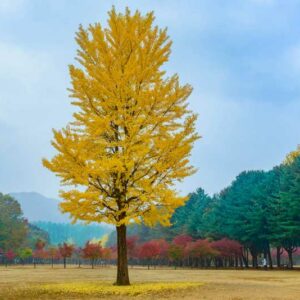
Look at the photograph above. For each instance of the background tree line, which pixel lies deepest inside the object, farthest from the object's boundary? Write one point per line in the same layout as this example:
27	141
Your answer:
260	210
257	215
78	234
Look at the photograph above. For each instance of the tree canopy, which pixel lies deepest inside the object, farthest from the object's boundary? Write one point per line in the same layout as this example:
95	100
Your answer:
13	227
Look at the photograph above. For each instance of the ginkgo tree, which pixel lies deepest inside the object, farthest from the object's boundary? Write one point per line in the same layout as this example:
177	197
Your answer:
132	134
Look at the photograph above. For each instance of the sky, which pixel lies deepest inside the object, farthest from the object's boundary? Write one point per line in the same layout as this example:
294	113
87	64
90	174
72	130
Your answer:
242	58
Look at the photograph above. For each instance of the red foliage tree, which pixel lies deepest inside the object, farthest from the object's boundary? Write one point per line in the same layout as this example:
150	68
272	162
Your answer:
66	250
10	255
114	252
227	248
132	247
200	251
92	251
149	250
163	248
106	254
182	240
230	251
202	248
53	254
39	252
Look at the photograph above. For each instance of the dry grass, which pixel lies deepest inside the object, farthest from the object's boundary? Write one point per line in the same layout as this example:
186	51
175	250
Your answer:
73	283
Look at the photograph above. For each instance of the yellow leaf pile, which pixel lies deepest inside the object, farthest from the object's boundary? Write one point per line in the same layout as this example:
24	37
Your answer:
106	288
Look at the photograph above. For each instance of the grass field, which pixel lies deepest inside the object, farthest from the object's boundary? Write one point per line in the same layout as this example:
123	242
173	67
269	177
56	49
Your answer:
84	283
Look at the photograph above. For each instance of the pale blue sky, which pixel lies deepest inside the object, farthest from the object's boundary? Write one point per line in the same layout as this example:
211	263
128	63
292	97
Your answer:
241	56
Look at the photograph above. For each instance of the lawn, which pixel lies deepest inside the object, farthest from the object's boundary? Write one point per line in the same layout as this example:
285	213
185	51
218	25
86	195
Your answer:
85	283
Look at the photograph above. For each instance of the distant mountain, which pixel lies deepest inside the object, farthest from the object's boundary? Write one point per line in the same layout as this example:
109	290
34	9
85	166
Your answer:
44	213
37	207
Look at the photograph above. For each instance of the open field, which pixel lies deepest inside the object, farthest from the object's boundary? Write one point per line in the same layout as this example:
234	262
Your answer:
84	283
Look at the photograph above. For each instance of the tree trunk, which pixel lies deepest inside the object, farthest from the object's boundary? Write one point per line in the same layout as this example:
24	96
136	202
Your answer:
245	258
65	262
290	254
254	254
241	262
269	256
254	260
122	272
278	256
236	261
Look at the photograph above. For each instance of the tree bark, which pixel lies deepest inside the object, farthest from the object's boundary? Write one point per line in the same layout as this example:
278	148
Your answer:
254	259
278	256
241	262
290	249
254	254
122	271
290	254
245	258
270	257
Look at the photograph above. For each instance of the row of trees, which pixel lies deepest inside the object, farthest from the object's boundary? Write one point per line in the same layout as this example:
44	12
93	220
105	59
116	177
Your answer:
260	210
56	254
264	210
183	251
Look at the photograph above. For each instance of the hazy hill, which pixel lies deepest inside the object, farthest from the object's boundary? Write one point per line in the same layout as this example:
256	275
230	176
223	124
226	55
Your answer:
44	213
37	207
